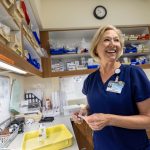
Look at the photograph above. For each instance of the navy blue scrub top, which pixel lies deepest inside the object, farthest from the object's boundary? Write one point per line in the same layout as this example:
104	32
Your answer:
136	89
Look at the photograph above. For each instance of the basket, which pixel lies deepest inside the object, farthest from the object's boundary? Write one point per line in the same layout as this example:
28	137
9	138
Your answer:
6	139
57	137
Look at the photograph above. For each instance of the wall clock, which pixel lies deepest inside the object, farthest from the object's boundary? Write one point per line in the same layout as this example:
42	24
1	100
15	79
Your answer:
100	12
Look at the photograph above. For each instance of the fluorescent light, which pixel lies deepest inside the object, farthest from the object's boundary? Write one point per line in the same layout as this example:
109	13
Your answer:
12	68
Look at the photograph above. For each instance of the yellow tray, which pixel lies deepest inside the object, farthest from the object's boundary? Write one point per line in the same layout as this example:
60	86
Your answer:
57	137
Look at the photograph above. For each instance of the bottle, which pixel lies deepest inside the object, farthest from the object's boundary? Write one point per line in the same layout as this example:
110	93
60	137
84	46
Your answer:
42	133
83	61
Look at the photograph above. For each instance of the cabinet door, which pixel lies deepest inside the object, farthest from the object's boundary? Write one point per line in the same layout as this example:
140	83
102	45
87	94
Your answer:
83	135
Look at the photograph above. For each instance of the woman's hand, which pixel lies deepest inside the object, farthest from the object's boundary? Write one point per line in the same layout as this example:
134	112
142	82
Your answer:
76	116
97	121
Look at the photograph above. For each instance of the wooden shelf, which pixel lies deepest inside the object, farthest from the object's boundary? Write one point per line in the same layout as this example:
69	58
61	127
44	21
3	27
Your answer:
69	55
12	17
82	72
136	41
18	61
145	66
135	54
87	54
77	34
71	73
29	47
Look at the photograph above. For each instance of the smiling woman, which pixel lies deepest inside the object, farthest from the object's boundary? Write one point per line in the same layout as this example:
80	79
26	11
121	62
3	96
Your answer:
118	97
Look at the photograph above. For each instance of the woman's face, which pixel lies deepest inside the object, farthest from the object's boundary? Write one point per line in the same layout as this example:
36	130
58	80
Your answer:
109	47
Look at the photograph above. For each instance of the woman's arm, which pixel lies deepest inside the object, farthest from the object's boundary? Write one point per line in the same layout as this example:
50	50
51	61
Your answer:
141	121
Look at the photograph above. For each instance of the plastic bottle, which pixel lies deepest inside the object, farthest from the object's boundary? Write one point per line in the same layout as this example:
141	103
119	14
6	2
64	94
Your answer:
42	133
83	61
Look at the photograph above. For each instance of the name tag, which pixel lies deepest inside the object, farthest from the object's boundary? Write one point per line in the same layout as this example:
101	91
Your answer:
115	87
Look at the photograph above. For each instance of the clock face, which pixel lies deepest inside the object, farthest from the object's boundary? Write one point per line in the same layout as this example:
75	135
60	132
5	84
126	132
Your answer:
100	12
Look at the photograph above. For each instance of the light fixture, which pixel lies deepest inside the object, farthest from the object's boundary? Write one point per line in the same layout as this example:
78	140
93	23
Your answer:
11	68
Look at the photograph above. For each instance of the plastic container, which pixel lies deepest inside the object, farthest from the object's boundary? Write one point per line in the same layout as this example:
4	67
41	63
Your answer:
57	137
92	66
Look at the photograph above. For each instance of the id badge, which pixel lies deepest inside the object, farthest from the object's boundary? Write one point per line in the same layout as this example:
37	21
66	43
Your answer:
115	87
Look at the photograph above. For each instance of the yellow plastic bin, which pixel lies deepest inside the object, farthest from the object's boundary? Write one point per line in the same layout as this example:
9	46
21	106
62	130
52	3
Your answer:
57	137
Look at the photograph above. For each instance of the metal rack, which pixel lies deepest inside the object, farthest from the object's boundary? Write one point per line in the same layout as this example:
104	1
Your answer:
6	139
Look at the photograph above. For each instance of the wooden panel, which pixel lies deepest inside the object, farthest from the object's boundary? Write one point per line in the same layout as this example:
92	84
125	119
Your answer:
46	67
44	37
145	66
83	135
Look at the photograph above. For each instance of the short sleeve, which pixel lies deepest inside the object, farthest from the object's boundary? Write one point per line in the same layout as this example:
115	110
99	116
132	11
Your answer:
140	84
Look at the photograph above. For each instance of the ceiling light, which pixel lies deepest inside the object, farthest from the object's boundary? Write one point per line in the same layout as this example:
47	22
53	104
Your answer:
11	68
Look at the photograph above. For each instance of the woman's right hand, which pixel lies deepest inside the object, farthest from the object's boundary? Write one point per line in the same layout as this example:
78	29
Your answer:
76	115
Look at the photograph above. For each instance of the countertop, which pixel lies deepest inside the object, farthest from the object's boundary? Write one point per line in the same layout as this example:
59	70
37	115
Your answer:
16	143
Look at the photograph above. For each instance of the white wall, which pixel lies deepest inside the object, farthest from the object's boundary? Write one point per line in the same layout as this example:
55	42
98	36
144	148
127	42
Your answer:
48	85
72	87
147	71
6	90
79	13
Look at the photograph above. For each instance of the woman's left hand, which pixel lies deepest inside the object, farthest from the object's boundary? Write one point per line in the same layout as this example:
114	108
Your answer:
97	121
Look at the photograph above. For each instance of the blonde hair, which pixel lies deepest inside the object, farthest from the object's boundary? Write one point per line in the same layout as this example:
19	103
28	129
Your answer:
98	36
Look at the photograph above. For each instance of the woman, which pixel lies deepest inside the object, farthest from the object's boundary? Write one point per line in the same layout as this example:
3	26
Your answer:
118	97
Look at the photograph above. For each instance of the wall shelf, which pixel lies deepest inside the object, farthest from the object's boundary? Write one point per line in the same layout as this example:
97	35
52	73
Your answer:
69	37
136	41
87	54
71	73
19	61
145	66
135	54
69	55
11	17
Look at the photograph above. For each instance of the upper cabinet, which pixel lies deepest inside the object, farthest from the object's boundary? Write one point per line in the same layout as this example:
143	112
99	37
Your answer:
19	44
69	50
